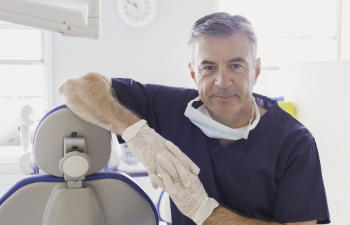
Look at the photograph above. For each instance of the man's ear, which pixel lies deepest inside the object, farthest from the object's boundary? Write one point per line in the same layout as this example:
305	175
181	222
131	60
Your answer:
193	74
257	69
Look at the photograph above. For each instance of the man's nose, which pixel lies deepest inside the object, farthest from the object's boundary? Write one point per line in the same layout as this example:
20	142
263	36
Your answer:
223	79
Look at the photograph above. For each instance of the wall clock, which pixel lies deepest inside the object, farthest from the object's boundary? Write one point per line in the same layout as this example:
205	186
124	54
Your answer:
137	13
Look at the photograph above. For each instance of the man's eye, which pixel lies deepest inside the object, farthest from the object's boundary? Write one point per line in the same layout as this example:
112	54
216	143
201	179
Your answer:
208	68
236	66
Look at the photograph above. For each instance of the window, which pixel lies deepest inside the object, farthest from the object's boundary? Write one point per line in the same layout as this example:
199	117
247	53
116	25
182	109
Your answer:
291	30
23	78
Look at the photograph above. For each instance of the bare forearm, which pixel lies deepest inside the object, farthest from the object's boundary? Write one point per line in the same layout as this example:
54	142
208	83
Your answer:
91	97
223	216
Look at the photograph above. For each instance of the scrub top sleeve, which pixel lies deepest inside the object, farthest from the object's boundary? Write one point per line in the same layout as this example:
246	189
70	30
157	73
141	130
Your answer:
301	194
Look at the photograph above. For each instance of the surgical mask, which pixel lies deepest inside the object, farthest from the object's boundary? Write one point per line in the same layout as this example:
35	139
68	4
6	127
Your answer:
202	119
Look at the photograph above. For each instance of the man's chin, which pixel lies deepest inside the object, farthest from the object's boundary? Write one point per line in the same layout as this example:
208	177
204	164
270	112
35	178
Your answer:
222	112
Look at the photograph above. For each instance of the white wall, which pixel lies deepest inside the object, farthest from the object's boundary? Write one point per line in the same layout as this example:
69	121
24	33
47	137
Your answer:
154	54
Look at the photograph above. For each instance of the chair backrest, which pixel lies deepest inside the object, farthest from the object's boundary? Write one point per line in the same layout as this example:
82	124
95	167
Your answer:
71	151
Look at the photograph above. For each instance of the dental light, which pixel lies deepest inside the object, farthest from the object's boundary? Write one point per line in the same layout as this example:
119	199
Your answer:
69	17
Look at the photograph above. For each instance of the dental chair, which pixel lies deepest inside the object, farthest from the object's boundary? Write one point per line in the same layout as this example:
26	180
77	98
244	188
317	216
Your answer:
74	191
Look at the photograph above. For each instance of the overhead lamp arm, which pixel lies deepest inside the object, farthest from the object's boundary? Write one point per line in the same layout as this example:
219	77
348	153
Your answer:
69	17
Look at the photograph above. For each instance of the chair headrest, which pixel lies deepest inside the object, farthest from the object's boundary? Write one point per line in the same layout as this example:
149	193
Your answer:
53	133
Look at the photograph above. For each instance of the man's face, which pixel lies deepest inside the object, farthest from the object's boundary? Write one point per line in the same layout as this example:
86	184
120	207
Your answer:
224	72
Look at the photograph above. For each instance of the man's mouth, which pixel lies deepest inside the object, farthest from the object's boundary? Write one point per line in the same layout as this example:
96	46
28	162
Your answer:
224	96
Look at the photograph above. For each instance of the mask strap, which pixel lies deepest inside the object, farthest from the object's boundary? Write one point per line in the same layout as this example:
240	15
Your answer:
257	114
253	112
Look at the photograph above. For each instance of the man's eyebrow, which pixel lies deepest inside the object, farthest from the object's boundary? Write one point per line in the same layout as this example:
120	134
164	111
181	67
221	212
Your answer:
206	62
238	59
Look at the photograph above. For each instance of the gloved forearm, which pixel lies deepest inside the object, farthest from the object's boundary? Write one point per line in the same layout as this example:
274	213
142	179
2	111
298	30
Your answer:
150	147
193	201
91	98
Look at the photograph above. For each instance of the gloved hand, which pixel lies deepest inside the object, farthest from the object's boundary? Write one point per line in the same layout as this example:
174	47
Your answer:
148	147
192	201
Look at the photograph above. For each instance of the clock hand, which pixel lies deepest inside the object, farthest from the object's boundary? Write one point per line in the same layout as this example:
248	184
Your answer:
132	3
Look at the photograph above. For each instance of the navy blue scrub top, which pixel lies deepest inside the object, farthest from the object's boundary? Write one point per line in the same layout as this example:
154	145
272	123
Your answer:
274	175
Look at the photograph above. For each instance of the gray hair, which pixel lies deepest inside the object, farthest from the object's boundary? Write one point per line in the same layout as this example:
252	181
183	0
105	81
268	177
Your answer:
222	24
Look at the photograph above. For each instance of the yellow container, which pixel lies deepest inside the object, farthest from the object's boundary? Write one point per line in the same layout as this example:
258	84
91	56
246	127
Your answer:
289	107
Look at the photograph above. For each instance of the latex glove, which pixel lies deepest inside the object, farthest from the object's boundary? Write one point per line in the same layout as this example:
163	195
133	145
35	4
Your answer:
148	146
192	201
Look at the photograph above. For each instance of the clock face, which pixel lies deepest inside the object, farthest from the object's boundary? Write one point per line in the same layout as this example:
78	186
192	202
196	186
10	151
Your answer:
137	13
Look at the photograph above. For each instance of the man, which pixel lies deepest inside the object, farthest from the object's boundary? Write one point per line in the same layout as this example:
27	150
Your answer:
258	165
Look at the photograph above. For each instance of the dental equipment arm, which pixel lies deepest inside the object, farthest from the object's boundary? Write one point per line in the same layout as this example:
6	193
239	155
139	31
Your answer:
91	98
69	17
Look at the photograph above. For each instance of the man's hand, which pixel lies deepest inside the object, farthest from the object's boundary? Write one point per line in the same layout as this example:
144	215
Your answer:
192	201
150	148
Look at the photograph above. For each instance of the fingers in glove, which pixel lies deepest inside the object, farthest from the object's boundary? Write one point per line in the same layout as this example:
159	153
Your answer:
169	164
151	173
169	185
174	168
156	181
182	157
